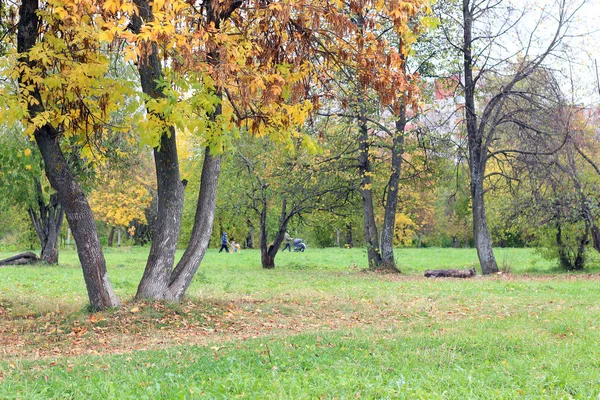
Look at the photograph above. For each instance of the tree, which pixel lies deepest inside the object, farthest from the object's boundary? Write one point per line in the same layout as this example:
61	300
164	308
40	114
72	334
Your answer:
293	182
487	64
375	89
40	111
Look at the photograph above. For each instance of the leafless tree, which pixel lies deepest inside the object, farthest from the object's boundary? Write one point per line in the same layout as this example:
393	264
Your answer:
501	44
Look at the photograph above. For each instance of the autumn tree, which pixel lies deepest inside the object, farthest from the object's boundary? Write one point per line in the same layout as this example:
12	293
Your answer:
229	66
63	93
370	82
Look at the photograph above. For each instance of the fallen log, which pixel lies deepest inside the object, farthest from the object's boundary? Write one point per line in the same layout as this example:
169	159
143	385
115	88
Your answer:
20	259
450	273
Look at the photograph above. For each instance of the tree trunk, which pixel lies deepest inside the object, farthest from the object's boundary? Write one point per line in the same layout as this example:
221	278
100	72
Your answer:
596	237
483	241
20	259
70	195
477	152
268	253
266	261
202	230
47	222
563	258
250	236
111	236
391	201
364	167
157	274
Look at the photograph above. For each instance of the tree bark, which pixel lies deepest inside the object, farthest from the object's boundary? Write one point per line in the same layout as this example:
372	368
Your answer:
203	224
391	202
477	152
364	167
157	274
70	195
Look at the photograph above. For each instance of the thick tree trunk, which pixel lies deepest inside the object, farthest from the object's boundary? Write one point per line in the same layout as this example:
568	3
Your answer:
80	218
70	195
47	222
202	230
477	152
157	275
364	167
391	202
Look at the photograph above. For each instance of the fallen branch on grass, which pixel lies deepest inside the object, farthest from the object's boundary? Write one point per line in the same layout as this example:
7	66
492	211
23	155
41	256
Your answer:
450	273
20	259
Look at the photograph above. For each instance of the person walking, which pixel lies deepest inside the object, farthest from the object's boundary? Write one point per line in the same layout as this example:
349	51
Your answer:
224	243
288	242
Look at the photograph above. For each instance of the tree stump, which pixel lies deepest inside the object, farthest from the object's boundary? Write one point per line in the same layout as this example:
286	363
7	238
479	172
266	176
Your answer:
20	259
450	273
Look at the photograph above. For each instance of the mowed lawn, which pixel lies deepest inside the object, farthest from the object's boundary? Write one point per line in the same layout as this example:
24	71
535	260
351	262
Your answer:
318	326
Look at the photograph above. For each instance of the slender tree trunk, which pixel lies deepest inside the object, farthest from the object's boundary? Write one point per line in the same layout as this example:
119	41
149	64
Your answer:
483	241
70	195
267	261
391	202
250	237
202	230
563	258
477	153
364	167
157	275
348	238
68	236
111	236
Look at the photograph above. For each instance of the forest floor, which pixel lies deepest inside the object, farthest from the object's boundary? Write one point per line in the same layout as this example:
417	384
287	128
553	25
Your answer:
519	333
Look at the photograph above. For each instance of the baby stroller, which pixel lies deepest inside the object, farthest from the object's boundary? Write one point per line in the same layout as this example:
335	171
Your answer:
298	245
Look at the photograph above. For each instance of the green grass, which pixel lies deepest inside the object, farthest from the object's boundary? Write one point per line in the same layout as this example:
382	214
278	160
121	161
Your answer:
350	334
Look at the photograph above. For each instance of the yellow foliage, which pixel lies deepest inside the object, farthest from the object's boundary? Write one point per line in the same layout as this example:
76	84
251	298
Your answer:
119	200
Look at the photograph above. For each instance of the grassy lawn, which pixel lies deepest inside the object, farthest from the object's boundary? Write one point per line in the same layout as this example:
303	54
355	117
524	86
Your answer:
317	326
